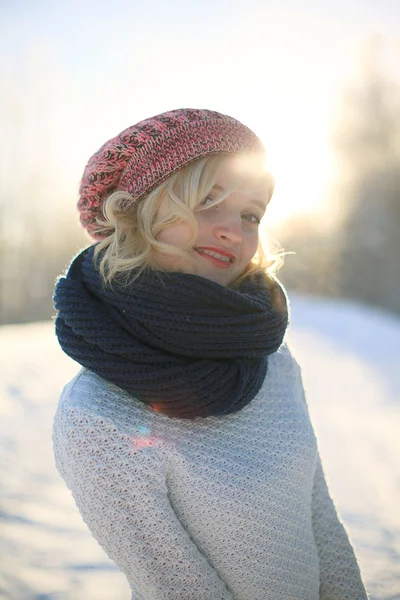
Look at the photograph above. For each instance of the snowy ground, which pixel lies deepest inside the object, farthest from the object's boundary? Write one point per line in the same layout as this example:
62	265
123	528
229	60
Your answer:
351	368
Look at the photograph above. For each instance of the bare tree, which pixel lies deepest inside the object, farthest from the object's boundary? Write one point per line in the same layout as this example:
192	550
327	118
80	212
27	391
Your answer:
367	142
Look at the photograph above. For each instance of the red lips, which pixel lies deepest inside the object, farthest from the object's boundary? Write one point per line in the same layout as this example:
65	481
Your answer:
219	251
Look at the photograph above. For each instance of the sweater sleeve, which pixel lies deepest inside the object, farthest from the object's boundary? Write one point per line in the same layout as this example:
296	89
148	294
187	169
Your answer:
340	577
119	485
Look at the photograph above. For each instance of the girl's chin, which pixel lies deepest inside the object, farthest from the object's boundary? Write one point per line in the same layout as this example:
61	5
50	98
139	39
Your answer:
222	276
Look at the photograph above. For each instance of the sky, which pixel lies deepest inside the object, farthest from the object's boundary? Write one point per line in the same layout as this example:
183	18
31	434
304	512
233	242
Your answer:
74	74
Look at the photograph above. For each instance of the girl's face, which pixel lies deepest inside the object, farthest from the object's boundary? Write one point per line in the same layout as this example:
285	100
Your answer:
228	233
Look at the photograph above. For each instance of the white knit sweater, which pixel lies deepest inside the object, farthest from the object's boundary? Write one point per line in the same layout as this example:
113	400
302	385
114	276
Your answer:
218	508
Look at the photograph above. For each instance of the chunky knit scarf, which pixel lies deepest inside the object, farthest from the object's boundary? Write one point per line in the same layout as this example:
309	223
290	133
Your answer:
184	345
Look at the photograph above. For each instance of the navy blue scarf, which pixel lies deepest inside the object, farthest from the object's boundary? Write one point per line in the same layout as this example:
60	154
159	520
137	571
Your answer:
184	345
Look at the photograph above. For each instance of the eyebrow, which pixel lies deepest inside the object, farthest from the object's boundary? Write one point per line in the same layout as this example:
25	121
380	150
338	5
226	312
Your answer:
253	200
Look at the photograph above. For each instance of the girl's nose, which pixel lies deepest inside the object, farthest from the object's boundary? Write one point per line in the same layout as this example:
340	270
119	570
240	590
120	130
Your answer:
229	230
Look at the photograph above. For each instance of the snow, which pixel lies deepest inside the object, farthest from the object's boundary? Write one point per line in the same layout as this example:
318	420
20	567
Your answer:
351	370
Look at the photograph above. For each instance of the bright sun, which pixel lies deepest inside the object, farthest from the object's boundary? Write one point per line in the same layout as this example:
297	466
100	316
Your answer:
301	179
301	170
297	140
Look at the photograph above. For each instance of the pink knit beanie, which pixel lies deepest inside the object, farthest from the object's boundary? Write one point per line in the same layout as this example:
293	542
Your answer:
142	156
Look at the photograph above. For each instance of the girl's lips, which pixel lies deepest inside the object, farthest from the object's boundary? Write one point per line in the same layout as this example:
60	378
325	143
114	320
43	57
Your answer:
215	261
219	250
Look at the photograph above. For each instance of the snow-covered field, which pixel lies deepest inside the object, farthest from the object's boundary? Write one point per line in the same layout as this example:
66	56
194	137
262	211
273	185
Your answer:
351	367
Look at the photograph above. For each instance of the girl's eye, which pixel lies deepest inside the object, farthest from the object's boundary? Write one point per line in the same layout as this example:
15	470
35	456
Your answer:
206	201
251	218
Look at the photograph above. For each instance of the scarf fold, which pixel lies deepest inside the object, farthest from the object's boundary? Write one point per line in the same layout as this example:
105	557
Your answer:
182	344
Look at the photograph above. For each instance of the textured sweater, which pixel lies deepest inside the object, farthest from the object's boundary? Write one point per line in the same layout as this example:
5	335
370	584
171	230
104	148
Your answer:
217	508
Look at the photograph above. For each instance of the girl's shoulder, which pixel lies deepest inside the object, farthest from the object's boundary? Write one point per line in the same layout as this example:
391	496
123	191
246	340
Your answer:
284	372
284	358
98	431
90	396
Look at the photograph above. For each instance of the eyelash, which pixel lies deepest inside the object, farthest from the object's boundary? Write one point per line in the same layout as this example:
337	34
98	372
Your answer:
257	220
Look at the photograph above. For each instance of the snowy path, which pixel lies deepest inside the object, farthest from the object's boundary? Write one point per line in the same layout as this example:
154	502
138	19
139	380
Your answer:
351	367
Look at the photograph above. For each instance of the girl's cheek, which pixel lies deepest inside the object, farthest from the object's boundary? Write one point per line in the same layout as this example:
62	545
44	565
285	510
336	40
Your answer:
205	217
253	245
204	224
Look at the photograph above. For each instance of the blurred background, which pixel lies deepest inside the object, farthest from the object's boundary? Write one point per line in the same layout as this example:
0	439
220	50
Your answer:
319	82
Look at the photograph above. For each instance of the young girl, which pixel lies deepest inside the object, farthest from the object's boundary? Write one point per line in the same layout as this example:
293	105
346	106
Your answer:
185	438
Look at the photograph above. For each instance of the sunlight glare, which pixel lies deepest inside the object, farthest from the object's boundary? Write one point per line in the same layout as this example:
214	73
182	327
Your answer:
301	166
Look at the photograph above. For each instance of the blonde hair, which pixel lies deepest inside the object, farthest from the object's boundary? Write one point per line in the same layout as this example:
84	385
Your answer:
130	236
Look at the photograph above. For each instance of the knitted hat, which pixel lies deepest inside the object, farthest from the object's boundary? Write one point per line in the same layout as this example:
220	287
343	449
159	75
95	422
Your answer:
142	156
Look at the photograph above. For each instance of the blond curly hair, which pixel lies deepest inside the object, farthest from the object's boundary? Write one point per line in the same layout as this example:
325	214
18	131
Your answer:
130	236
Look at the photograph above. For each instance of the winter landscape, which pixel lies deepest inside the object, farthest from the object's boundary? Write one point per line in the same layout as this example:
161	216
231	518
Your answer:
350	359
